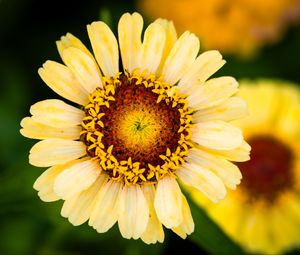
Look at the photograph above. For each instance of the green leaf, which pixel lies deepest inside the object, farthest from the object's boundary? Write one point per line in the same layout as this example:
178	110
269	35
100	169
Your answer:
209	236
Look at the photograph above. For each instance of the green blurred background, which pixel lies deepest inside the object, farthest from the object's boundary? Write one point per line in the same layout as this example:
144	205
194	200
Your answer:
28	31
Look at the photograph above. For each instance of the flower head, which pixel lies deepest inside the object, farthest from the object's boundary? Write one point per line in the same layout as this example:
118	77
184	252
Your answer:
263	214
117	154
236	27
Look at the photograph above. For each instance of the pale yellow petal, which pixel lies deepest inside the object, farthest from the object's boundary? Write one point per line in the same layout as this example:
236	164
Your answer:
105	47
79	207
154	231
217	135
76	178
263	113
44	184
232	109
290	212
246	233
285	230
133	212
263	238
288	110
129	33
239	154
203	180
68	41
106	208
168	202
55	151
56	113
62	81
204	66
293	208
84	68
187	226
48	195
36	130
213	92
227	171
152	48
181	57
171	37
257	234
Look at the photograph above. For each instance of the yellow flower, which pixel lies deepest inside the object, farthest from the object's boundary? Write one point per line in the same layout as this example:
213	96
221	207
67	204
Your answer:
263	213
234	27
116	156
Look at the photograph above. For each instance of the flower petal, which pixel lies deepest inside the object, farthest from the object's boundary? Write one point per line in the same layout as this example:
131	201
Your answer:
154	231
105	210
56	113
62	81
261	237
168	202
285	230
55	151
255	236
217	135
84	68
213	92
232	109
203	180
171	37
262	112
292	207
187	226
133	212
239	154
44	183
36	130
76	178
152	47
181	57
228	172
78	208
129	32
204	66
105	47
68	41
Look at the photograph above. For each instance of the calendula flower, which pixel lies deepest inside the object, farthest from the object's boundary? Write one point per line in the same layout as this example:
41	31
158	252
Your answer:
116	155
262	215
234	27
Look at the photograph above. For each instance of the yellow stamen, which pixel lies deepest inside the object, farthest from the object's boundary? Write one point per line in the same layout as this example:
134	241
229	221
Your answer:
139	128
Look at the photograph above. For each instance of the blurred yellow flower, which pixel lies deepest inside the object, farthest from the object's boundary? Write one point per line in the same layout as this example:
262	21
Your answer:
233	27
116	156
263	214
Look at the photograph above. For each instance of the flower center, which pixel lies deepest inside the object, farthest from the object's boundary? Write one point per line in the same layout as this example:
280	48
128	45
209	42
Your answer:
136	129
269	171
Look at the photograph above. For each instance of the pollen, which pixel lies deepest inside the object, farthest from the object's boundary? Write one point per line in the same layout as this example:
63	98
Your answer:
138	129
